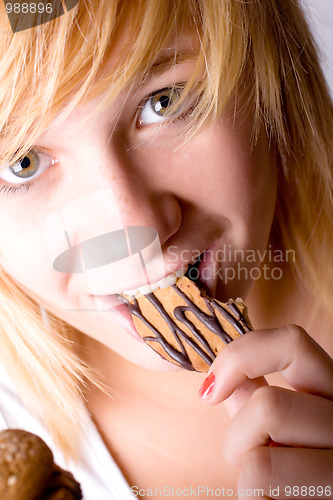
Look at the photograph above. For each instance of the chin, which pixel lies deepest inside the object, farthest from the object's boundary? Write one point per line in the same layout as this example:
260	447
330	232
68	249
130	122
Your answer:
150	360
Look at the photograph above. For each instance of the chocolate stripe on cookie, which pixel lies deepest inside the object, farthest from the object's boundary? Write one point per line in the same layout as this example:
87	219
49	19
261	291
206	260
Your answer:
180	358
211	322
201	336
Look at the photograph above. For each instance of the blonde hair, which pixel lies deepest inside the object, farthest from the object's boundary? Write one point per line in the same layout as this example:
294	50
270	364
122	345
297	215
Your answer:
263	46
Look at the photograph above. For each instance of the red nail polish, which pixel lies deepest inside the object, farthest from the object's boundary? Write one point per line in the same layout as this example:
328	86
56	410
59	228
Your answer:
208	386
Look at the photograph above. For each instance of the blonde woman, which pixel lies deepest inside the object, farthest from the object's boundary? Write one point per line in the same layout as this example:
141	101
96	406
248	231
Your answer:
210	122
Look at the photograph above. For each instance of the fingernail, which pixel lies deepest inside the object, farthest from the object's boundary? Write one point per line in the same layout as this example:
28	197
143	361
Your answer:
207	387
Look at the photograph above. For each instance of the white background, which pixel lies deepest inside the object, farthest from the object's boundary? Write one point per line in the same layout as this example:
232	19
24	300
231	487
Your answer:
321	18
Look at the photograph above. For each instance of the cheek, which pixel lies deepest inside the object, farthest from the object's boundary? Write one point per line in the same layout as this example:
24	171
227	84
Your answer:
227	176
24	253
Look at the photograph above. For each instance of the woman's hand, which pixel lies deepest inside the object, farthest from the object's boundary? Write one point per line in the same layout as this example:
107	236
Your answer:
282	440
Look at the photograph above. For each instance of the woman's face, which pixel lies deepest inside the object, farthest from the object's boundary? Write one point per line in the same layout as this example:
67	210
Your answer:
130	166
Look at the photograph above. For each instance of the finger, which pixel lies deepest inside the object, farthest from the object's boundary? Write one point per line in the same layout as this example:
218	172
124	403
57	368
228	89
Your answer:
289	350
238	398
284	416
286	473
242	394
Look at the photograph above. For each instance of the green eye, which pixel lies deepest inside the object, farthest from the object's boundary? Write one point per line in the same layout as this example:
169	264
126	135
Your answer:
157	105
164	99
27	166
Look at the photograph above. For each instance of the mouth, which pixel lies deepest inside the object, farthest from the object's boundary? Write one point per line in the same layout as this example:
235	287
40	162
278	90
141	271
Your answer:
163	283
200	272
113	303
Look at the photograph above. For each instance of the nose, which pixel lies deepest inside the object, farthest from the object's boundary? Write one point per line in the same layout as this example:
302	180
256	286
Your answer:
115	233
139	191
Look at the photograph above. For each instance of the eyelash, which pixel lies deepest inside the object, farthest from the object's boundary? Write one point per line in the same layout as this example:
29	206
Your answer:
12	190
169	120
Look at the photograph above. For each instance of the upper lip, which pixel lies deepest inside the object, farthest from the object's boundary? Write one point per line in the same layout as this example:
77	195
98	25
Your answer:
170	268
135	288
195	252
172	272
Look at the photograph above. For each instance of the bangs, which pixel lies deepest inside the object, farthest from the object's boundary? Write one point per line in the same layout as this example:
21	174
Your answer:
255	52
53	67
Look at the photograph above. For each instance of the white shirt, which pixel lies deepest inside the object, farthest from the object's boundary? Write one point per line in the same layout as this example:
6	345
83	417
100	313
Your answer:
95	469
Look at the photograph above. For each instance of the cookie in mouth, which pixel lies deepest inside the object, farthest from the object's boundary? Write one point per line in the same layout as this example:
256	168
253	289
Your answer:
184	325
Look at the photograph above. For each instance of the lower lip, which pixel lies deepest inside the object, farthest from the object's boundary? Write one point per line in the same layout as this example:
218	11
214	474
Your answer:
120	312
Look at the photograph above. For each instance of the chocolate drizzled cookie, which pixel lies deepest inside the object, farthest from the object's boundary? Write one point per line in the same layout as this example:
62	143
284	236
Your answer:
185	326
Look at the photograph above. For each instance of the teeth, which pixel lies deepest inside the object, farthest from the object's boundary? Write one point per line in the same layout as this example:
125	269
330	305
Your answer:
132	292
168	281
163	283
148	288
182	271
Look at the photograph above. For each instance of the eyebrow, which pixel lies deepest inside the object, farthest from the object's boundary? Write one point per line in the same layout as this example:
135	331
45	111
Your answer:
166	62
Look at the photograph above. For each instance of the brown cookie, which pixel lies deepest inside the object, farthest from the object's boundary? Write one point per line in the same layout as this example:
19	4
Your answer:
26	465
62	486
185	326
